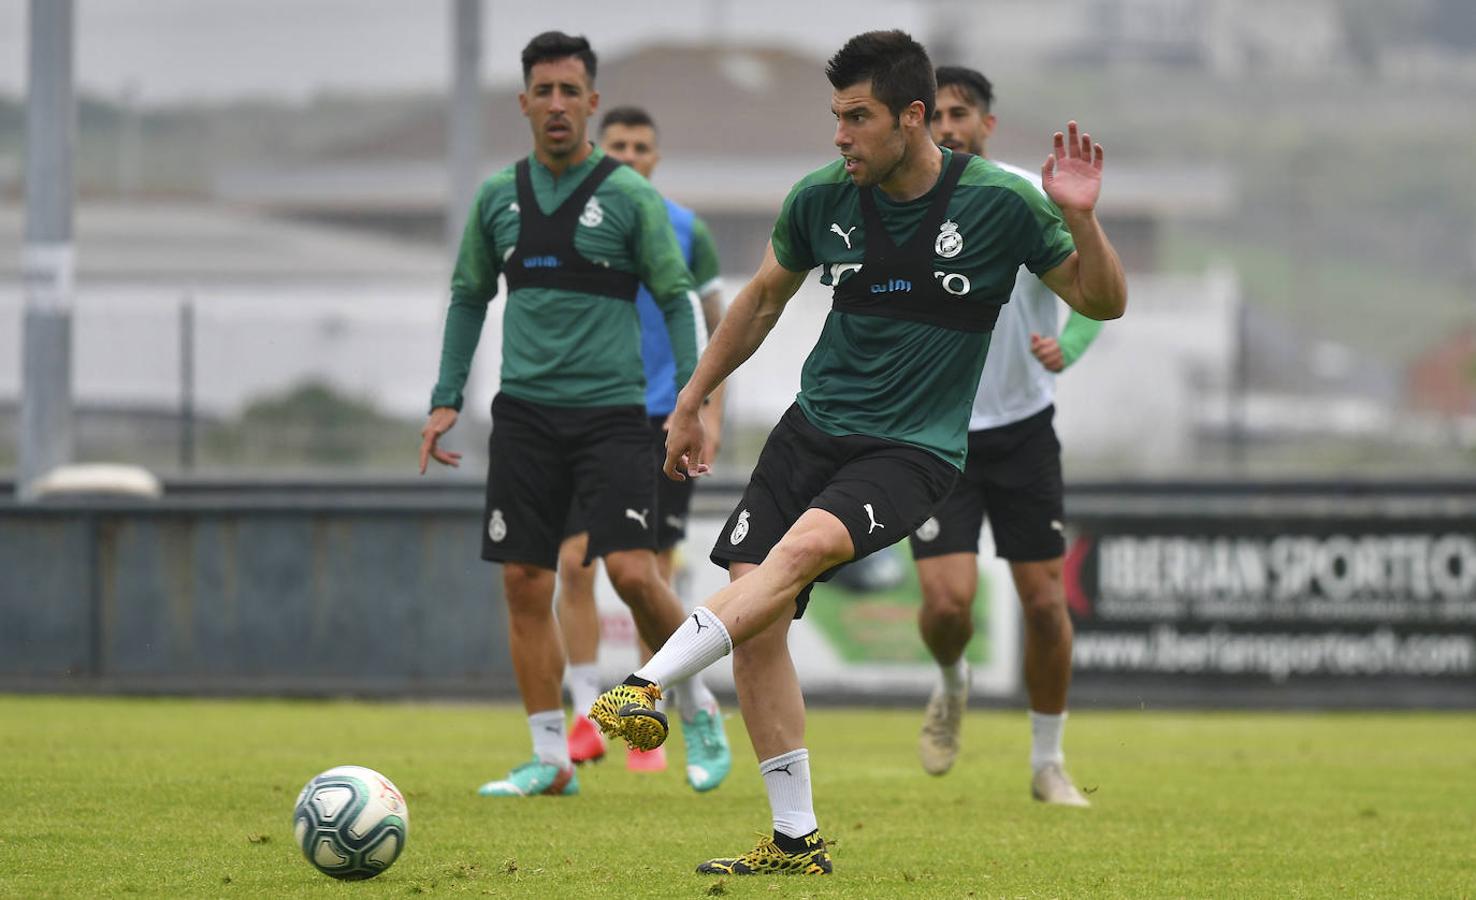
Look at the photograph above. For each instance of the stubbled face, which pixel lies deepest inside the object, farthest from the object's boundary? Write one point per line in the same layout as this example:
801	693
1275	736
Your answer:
634	145
958	124
558	101
869	137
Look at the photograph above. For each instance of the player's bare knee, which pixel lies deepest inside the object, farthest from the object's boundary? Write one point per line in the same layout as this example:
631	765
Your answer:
632	577
945	601
1045	611
520	576
528	588
948	609
805	555
571	559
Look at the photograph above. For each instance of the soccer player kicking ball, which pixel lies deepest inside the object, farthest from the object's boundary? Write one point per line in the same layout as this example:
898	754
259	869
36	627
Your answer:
1014	472
576	234
628	134
921	245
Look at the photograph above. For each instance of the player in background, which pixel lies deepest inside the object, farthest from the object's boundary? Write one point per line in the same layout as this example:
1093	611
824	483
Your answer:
1013	473
576	234
921	245
629	134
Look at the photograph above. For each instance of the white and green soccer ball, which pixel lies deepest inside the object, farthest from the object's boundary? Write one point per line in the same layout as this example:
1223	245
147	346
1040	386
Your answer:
351	822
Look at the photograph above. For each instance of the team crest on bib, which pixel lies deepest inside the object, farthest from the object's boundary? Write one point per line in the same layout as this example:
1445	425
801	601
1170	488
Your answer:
949	243
740	531
593	213
496	527
928	531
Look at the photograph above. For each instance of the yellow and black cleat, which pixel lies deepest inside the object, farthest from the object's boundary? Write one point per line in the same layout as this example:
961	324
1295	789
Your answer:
629	712
768	858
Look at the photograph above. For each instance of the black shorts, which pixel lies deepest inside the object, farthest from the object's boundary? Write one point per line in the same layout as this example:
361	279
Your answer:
673	498
879	489
543	458
1014	473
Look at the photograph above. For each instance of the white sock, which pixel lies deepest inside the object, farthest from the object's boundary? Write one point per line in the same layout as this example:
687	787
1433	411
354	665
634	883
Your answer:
956	675
583	682
549	742
788	779
1045	739
700	641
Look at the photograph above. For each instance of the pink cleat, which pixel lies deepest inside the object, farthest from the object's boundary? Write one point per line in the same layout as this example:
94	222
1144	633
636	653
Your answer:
646	760
586	744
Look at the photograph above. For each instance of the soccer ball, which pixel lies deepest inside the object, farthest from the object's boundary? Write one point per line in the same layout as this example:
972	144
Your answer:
351	822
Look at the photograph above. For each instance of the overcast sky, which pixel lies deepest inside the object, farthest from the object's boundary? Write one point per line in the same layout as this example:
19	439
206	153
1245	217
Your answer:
174	50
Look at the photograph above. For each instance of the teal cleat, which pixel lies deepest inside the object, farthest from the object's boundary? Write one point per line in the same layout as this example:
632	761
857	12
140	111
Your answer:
708	757
533	778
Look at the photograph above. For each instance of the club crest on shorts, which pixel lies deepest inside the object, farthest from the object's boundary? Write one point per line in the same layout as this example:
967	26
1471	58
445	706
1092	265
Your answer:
593	213
949	243
496	527
740	531
928	531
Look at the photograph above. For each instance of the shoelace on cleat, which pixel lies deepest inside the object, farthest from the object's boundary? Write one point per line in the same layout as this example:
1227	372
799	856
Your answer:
531	764
940	733
939	728
707	735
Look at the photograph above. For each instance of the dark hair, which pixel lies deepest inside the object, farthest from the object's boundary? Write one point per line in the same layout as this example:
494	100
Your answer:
975	88
552	45
897	66
629	116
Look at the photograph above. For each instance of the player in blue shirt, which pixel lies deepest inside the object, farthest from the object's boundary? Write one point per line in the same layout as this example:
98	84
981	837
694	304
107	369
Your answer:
629	134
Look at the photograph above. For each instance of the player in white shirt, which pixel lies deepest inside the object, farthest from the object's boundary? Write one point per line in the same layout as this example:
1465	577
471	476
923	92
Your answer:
1014	474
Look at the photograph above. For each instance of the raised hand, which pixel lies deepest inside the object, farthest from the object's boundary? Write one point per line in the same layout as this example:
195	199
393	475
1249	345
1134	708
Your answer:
1072	174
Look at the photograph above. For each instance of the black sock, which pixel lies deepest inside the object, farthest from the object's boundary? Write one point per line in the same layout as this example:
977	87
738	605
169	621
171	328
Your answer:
637	681
793	844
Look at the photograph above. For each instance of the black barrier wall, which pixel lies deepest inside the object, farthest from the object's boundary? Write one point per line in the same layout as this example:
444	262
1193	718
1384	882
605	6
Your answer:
251	594
1275	595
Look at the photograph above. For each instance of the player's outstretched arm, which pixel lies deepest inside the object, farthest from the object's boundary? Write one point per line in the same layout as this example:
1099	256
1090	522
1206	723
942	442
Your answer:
748	321
1091	280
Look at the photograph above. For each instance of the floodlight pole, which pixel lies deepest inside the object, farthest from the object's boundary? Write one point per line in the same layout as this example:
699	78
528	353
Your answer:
464	141
464	119
48	258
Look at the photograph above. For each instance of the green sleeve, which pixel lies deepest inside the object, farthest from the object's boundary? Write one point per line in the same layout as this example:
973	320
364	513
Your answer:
704	261
663	271
791	244
473	285
1047	241
1078	334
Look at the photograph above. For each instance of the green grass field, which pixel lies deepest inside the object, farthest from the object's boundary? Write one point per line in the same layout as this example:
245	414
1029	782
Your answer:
111	797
